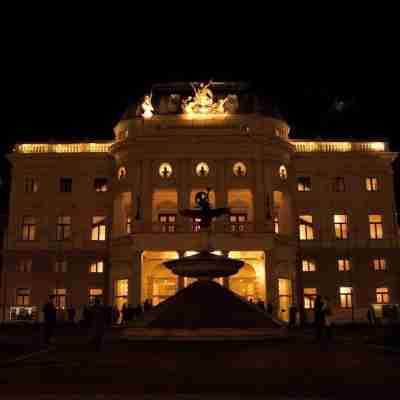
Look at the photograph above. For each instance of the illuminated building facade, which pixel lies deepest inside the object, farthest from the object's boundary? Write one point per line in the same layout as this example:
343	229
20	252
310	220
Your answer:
98	219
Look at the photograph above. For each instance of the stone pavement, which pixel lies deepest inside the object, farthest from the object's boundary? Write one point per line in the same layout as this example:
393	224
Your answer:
296	367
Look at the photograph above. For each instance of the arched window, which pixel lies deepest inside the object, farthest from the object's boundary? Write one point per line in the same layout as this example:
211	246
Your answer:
283	172
202	169
165	170
121	172
239	169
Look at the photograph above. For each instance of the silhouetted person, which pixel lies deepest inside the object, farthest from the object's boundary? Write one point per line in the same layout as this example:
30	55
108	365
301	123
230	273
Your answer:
108	315
146	305
260	305
124	312
138	311
292	316
319	318
115	315
370	317
98	324
50	319
327	319
269	308
71	314
87	316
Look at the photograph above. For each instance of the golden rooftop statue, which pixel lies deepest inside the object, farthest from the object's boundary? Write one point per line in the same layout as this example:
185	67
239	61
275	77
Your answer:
203	101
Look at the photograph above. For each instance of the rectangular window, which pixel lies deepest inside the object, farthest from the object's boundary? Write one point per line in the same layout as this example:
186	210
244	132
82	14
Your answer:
60	266
28	228
339	185
63	228
31	185
308	265
238	222
306	230
276	225
65	185
101	185
196	224
23	297
168	222
341	226
379	264
60	298
129	225
120	292
346	296
371	184
375	226
97	267
95	293
309	297
24	265
99	228
343	264
304	184
382	295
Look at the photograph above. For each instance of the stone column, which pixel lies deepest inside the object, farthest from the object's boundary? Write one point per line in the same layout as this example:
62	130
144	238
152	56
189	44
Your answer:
146	194
180	279
226	279
259	196
183	191
221	195
135	279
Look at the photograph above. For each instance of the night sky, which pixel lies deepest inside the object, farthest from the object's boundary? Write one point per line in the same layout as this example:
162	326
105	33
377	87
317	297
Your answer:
67	94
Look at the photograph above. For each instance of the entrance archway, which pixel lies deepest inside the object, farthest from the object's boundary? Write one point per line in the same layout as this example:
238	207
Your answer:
244	283
163	284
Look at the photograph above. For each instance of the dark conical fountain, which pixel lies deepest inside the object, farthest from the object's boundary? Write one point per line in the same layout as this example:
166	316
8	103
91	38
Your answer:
205	303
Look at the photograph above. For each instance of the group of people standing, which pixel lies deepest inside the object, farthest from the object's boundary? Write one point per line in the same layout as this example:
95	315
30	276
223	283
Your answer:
96	317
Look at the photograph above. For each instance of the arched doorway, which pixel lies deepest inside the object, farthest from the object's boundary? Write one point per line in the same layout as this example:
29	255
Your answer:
244	283
163	284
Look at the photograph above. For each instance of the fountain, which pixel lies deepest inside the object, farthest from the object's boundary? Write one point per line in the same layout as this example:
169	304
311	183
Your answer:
205	303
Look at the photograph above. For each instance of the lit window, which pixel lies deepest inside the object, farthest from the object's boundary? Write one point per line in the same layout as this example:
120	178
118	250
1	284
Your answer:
60	266
308	265
97	267
283	172
202	169
31	185
65	185
165	170
304	184
101	185
339	185
120	292
196	224
276	225
341	226
382	295
379	264
95	293
238	222
375	226
306	231
343	264
167	222
239	169
24	265
129	225
371	184
309	297
346	296
63	228
99	228
60	298
121	173
28	228
23	297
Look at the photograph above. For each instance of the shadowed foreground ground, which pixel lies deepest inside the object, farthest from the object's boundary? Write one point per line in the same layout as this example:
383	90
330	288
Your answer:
292	367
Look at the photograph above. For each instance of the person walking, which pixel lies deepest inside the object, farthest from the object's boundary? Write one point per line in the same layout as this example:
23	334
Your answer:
124	311
327	317
98	324
292	316
319	321
50	318
71	314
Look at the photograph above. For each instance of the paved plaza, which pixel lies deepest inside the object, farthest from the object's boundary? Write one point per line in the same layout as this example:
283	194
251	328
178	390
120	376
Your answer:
292	366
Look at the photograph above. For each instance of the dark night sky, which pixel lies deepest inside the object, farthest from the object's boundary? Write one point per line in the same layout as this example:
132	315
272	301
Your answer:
79	88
